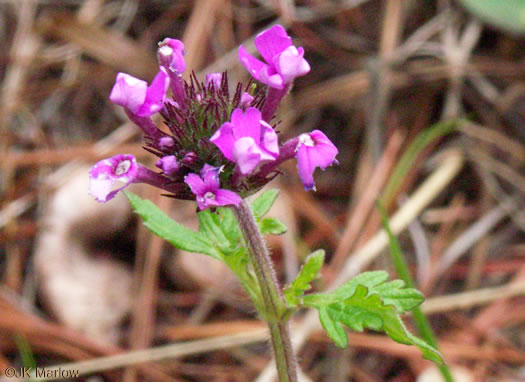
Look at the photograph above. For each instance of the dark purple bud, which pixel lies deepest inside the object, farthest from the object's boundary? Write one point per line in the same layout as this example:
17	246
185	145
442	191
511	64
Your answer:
190	159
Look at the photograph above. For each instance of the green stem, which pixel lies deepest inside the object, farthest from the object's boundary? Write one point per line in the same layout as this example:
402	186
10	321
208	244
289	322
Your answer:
420	320
273	302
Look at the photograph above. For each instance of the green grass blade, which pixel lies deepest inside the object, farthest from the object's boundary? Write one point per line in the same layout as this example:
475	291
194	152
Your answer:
421	321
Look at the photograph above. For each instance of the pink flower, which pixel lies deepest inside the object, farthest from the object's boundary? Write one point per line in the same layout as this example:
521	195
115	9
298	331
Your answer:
284	61
168	164
206	188
247	140
135	95
246	100
171	55
124	168
103	176
313	150
215	79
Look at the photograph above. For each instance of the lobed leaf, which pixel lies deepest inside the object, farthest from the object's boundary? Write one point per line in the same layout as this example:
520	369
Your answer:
391	293
366	310
308	273
334	330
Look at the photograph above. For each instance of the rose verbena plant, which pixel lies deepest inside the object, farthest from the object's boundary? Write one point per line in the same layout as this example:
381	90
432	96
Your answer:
222	147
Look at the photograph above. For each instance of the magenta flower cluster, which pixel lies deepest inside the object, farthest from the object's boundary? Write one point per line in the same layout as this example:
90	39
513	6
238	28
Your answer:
220	146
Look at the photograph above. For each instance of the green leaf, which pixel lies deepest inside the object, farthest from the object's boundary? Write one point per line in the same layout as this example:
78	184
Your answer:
263	203
367	279
209	225
403	299
221	228
165	227
365	310
369	301
391	293
506	14
334	330
309	272
272	226
229	225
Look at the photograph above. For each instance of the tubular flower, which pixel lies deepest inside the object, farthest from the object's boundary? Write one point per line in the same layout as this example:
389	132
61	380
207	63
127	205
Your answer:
171	55
168	164
284	61
247	140
103	176
215	79
137	97
206	188
313	150
246	100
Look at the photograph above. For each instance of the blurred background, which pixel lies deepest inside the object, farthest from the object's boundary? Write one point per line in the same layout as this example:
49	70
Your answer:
426	103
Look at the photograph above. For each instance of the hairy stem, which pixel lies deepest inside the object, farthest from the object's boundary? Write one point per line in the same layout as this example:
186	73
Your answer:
274	305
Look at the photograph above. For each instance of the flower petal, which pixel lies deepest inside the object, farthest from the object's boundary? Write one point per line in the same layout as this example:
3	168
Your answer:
155	95
247	140
269	76
135	95
252	65
226	197
284	61
171	55
206	189
215	79
247	124
246	154
100	188
291	64
272	41
324	151
305	168
128	92
314	150
168	164
104	174
210	176
196	184
224	139
166	143
246	99
269	140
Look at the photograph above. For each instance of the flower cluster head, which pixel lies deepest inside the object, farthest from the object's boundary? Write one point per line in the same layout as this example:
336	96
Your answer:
218	144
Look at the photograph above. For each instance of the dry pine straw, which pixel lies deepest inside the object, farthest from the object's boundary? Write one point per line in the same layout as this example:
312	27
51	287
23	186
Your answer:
87	46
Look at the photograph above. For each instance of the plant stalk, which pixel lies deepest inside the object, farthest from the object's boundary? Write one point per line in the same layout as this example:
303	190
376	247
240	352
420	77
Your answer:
273	301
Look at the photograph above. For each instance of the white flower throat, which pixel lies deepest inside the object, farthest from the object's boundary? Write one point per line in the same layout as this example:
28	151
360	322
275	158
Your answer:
306	139
123	167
